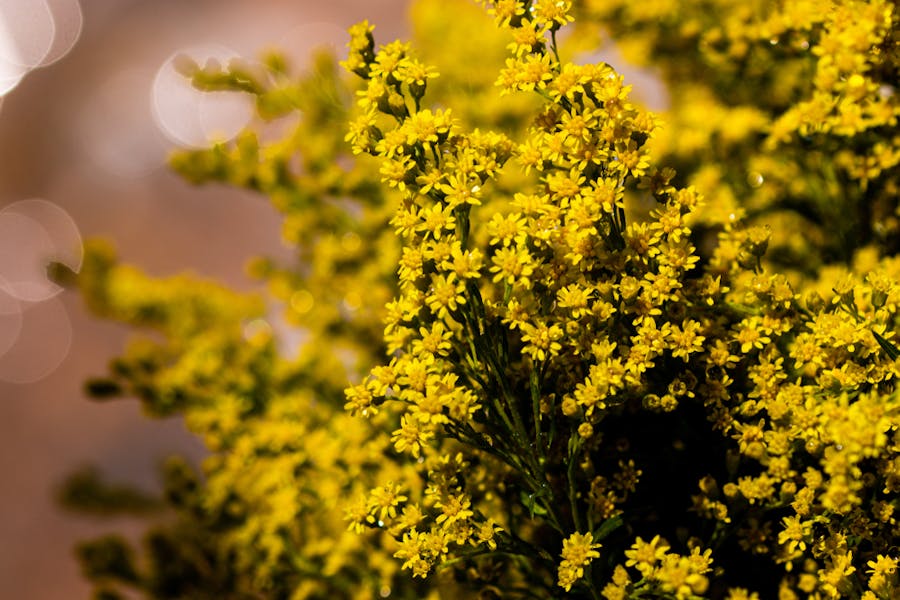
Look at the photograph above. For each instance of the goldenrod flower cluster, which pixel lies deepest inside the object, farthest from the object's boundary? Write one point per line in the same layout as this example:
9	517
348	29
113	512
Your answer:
784	113
588	352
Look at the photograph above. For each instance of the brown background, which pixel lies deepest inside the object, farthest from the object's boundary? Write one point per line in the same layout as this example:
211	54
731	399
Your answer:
52	128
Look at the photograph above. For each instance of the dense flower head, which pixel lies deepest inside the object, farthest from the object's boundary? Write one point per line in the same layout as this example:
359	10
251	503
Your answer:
578	551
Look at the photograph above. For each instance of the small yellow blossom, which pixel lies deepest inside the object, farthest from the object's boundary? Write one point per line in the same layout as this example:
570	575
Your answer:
578	551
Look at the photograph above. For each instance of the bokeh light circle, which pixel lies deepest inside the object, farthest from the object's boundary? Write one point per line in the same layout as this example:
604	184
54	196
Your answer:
193	118
69	21
24	249
42	345
27	29
35	33
10	319
10	76
34	233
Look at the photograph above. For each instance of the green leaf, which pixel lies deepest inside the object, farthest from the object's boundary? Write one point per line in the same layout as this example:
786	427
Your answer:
889	348
607	527
530	501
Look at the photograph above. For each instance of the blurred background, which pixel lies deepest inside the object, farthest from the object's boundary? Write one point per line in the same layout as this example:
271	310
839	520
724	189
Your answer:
89	107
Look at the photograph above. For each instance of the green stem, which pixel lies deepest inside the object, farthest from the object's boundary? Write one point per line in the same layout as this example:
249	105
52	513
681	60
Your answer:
536	407
553	47
575	443
462	224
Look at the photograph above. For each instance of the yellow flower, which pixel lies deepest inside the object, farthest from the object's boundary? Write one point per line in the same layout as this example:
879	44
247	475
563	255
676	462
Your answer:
644	555
486	534
568	83
412	553
506	12
456	508
528	73
578	551
411	437
541	340
553	12
383	501
445	294
466	264
685	340
513	266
